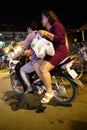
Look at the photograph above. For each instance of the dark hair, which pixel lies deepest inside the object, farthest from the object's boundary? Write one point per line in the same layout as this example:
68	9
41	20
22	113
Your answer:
51	15
11	50
14	44
32	24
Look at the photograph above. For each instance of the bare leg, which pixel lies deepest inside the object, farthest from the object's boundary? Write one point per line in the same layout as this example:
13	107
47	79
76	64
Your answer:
43	70
37	65
46	77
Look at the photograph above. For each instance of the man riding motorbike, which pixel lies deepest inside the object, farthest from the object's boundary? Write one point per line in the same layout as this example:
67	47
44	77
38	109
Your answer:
28	67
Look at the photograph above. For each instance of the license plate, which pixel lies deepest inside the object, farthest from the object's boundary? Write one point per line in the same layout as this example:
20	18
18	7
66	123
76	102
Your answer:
72	73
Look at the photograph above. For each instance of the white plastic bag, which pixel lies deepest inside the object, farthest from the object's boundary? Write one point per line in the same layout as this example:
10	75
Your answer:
42	46
49	48
38	48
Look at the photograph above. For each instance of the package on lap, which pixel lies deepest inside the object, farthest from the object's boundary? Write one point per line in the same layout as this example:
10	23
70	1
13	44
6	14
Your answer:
42	46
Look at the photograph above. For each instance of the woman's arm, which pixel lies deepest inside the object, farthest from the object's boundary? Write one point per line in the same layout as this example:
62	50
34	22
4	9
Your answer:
46	34
19	53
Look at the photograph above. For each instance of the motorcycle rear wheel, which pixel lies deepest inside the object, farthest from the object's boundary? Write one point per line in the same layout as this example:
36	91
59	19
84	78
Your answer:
65	92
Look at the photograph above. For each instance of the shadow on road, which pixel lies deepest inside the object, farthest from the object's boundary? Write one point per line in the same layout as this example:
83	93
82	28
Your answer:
28	102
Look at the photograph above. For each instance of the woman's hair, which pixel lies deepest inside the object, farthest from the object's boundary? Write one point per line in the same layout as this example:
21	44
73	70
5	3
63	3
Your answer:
51	15
32	24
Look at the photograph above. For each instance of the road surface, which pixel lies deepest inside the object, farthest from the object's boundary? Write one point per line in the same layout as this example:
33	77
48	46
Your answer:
32	116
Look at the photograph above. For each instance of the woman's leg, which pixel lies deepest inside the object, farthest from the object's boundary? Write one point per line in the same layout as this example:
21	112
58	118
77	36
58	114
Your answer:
36	66
43	70
26	69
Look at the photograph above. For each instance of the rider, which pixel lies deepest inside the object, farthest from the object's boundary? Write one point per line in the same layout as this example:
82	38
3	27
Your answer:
28	67
55	32
10	56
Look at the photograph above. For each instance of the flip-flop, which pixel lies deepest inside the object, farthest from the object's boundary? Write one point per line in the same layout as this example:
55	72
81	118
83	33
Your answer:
45	100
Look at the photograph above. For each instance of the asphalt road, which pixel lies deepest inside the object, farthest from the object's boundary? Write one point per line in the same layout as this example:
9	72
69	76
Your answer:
26	113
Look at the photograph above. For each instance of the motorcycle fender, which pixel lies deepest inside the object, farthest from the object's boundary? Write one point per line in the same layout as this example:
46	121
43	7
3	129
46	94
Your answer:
78	82
75	80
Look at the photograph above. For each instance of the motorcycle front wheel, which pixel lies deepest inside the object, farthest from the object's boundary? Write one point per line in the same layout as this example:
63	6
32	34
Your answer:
65	90
16	84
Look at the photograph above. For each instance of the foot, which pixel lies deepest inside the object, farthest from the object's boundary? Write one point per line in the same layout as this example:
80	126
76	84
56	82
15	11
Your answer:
47	98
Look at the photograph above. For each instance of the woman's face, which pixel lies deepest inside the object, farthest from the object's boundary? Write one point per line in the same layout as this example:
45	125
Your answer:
44	21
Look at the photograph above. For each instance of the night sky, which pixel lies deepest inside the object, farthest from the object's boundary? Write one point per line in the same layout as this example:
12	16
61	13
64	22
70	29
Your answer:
72	13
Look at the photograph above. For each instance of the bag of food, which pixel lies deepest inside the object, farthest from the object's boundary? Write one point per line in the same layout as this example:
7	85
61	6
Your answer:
42	46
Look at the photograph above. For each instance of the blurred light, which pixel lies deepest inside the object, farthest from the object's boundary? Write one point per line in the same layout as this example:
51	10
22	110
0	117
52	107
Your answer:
18	49
1	34
7	50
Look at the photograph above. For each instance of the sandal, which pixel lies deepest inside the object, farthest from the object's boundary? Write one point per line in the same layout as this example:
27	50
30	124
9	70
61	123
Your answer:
47	98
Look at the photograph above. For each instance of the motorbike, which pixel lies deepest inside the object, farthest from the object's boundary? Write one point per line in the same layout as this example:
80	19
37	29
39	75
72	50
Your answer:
65	81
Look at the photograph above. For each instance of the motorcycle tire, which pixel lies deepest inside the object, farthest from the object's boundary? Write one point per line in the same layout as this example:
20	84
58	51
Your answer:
16	84
66	91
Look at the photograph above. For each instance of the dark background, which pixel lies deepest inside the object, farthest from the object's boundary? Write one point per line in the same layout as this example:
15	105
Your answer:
16	14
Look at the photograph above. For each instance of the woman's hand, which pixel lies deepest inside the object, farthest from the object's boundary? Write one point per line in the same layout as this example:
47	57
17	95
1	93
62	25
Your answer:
43	33
46	34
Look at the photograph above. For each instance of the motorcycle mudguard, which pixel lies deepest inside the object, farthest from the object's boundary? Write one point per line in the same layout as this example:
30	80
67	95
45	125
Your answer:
78	82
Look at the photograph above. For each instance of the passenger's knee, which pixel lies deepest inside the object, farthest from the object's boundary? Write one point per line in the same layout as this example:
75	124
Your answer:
42	69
